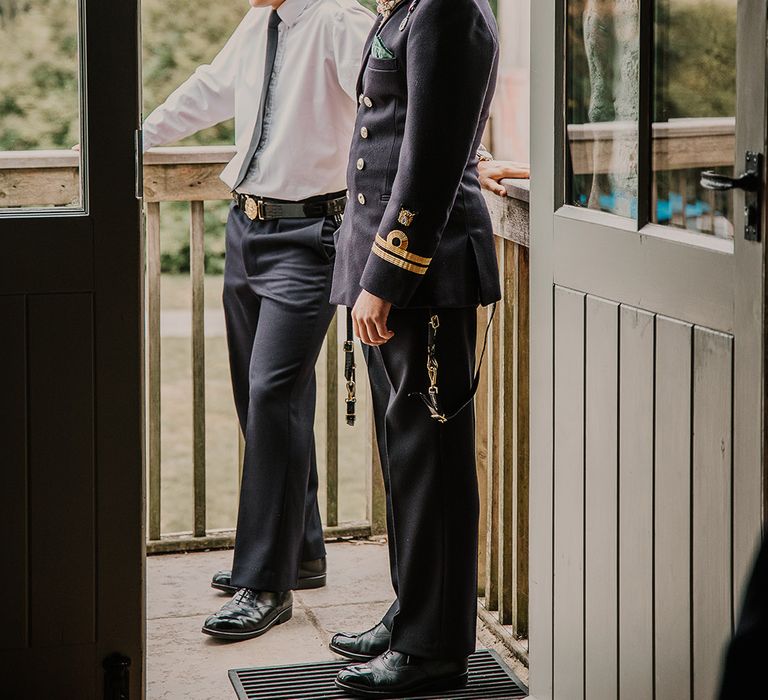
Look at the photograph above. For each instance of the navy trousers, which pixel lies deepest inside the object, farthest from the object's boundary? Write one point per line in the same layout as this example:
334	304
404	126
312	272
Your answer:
430	480
277	278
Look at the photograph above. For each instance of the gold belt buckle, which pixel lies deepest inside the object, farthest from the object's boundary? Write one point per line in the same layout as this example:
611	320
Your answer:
253	209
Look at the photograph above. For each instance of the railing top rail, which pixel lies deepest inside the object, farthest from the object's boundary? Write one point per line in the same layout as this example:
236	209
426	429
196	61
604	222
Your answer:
185	155
19	160
67	158
518	189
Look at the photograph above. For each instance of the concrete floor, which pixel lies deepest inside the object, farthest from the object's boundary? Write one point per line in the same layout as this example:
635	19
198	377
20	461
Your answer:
184	664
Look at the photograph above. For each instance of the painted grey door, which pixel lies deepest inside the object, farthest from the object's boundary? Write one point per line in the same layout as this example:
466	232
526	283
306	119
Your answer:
70	350
647	380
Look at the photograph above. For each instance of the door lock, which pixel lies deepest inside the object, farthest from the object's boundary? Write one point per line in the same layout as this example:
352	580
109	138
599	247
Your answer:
750	182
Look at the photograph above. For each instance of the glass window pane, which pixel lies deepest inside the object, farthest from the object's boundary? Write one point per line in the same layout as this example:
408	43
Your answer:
39	104
603	54
694	107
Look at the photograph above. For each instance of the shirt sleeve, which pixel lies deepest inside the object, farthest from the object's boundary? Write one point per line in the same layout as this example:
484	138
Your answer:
204	99
450	67
350	32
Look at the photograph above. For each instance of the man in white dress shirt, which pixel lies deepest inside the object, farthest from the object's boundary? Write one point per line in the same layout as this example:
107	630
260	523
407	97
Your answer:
288	76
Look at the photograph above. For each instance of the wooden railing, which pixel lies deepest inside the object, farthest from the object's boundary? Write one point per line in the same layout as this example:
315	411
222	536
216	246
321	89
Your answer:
502	431
191	175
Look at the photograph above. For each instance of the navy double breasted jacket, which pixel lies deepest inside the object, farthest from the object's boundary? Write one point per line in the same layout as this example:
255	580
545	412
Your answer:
416	230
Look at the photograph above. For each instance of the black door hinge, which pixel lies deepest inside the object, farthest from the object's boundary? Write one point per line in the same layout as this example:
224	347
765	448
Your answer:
138	144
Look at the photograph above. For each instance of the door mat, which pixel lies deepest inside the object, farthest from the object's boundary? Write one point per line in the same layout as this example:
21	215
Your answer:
489	677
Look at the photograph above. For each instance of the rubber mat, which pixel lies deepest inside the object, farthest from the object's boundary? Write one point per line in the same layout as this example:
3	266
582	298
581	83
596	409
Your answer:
489	678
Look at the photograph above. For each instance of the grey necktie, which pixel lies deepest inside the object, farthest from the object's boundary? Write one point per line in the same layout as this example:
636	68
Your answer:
269	66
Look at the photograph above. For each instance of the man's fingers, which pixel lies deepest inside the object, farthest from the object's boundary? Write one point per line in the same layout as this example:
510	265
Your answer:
373	332
363	332
381	328
356	326
493	186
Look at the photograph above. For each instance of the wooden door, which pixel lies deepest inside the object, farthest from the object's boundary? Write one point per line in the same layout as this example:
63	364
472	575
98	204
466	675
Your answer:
70	354
647	382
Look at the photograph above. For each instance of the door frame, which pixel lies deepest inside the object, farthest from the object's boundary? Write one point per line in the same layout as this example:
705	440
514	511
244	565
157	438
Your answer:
98	252
554	258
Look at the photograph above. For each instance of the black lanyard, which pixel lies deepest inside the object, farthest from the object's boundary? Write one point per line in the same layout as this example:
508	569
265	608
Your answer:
431	399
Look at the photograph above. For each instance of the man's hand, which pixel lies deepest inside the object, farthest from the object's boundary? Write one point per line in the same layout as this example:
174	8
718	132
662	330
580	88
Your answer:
369	319
492	171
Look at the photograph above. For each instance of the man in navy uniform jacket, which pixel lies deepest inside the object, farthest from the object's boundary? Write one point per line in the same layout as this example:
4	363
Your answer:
415	253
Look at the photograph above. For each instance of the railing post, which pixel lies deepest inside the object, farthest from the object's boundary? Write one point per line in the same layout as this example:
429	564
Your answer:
492	530
507	420
197	273
513	512
377	507
481	451
153	365
521	443
332	423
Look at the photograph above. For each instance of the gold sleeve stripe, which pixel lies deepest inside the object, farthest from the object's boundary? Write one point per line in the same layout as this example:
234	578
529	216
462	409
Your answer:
400	263
410	257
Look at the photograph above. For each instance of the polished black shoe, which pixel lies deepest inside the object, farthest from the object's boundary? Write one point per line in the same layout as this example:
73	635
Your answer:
312	574
364	646
250	614
395	675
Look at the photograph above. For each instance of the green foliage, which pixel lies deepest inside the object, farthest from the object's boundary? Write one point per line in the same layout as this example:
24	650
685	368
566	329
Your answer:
178	36
39	102
695	60
696	66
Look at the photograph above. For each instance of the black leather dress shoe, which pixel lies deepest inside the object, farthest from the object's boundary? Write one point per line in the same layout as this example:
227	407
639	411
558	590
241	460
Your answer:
364	646
395	675
312	574
250	614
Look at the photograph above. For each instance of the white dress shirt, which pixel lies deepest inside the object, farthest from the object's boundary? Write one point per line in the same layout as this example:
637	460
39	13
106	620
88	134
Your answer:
310	116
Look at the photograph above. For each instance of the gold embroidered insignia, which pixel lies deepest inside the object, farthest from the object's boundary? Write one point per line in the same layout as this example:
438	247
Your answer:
386	7
398	239
406	217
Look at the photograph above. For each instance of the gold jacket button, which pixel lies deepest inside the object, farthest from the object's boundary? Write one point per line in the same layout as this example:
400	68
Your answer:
360	163
364	132
367	101
361	198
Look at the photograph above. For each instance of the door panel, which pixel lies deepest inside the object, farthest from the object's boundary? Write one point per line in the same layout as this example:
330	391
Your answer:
13	495
636	381
601	498
61	470
569	493
672	512
711	523
646	271
642	514
71	388
648	384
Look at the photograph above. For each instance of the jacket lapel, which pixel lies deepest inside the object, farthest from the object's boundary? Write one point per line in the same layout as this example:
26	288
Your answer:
366	55
377	27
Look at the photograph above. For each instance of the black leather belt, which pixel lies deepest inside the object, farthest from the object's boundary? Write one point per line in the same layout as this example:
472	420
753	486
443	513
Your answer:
267	209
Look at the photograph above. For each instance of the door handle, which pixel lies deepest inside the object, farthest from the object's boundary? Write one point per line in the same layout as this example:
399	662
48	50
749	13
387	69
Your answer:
711	180
751	182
